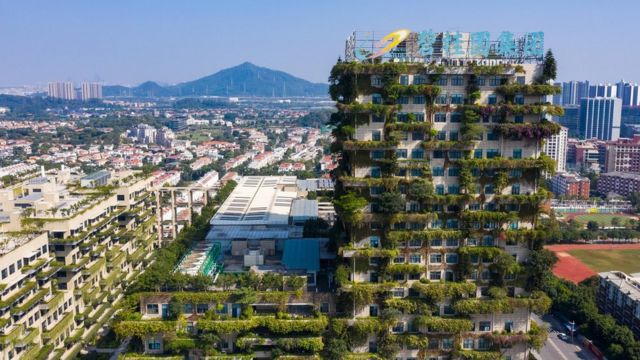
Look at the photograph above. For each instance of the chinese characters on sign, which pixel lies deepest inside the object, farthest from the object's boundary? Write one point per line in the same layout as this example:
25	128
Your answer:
428	44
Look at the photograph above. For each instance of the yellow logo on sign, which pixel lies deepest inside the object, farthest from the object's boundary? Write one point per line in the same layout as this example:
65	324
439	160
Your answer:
393	40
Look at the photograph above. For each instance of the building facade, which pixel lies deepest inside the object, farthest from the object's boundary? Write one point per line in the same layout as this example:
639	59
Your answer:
61	283
600	118
619	296
570	186
556	148
623	155
619	183
91	91
430	168
62	90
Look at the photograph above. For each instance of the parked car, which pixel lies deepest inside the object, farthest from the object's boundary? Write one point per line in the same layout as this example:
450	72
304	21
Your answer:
563	336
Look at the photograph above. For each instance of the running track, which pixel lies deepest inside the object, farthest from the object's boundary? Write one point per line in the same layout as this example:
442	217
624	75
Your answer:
570	268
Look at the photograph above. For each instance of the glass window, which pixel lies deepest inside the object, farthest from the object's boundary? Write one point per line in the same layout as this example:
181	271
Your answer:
492	136
467	343
457	80
483	343
437	171
456	117
518	119
153	309
402	117
403	100
452	242
515	189
415	258
517	153
495	81
377	118
519	99
417	135
435	275
440	117
377	154
454	171
441	99
419	79
488	189
202	308
416	172
401	153
154	345
187	308
376	135
440	189
417	154
375	172
376	190
435	258
419	99
452	258
438	154
376	80
441	135
376	98
477	153
453	189
484	326
419	116
455	154
492	99
457	99
480	81
443	80
520	80
374	241
453	136
492	153
447	343
404	80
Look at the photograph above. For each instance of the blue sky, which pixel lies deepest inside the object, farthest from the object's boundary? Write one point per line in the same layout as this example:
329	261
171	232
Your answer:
128	42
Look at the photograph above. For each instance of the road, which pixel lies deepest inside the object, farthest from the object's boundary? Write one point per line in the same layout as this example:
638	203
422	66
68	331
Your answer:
558	349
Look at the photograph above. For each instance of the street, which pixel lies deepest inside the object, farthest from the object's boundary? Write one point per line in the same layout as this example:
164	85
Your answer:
556	348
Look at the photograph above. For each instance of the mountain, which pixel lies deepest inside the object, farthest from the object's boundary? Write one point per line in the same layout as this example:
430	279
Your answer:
245	79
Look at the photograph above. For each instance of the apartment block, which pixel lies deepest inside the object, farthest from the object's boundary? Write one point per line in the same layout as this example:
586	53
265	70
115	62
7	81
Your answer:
90	241
437	166
623	155
620	183
570	185
556	148
619	296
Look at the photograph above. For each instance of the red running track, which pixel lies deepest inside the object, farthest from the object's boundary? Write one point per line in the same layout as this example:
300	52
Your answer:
570	268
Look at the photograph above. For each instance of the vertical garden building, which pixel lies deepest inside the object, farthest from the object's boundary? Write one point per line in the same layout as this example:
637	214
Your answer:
440	137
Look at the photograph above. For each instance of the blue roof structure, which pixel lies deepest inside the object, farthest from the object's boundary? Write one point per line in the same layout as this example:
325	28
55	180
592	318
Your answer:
301	254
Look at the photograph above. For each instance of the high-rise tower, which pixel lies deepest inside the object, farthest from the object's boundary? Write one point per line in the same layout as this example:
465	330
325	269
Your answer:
438	191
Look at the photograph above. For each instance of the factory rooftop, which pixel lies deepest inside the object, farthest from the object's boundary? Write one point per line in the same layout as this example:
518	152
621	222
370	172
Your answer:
258	200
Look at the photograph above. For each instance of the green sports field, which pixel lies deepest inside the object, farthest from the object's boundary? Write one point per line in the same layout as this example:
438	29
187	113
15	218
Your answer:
627	261
602	219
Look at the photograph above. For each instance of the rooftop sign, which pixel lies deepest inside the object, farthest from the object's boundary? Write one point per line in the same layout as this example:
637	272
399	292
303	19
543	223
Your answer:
427	45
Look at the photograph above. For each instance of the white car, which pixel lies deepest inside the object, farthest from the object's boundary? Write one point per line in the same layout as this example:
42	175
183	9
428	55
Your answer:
563	336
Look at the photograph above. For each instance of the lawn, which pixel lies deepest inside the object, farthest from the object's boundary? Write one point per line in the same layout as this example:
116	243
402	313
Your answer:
606	260
602	219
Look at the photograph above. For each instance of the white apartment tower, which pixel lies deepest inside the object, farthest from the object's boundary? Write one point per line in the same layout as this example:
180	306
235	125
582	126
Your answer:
62	90
91	91
556	148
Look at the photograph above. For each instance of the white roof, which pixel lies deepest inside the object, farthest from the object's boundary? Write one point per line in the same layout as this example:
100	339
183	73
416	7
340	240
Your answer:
258	200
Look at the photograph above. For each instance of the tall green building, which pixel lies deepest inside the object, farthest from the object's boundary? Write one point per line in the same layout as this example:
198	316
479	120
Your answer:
439	192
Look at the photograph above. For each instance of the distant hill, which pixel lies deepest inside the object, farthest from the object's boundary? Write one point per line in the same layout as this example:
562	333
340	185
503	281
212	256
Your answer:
245	79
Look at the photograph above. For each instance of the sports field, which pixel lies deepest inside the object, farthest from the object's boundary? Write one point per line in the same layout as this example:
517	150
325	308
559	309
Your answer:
605	260
579	262
602	219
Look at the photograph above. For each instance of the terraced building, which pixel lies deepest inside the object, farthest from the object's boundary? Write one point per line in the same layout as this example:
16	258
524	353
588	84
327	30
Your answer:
439	192
66	255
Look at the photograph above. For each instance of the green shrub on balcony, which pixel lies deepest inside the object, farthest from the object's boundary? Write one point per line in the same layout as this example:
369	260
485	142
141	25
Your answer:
537	302
442	324
438	291
304	344
533	131
144	328
60	327
511	90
